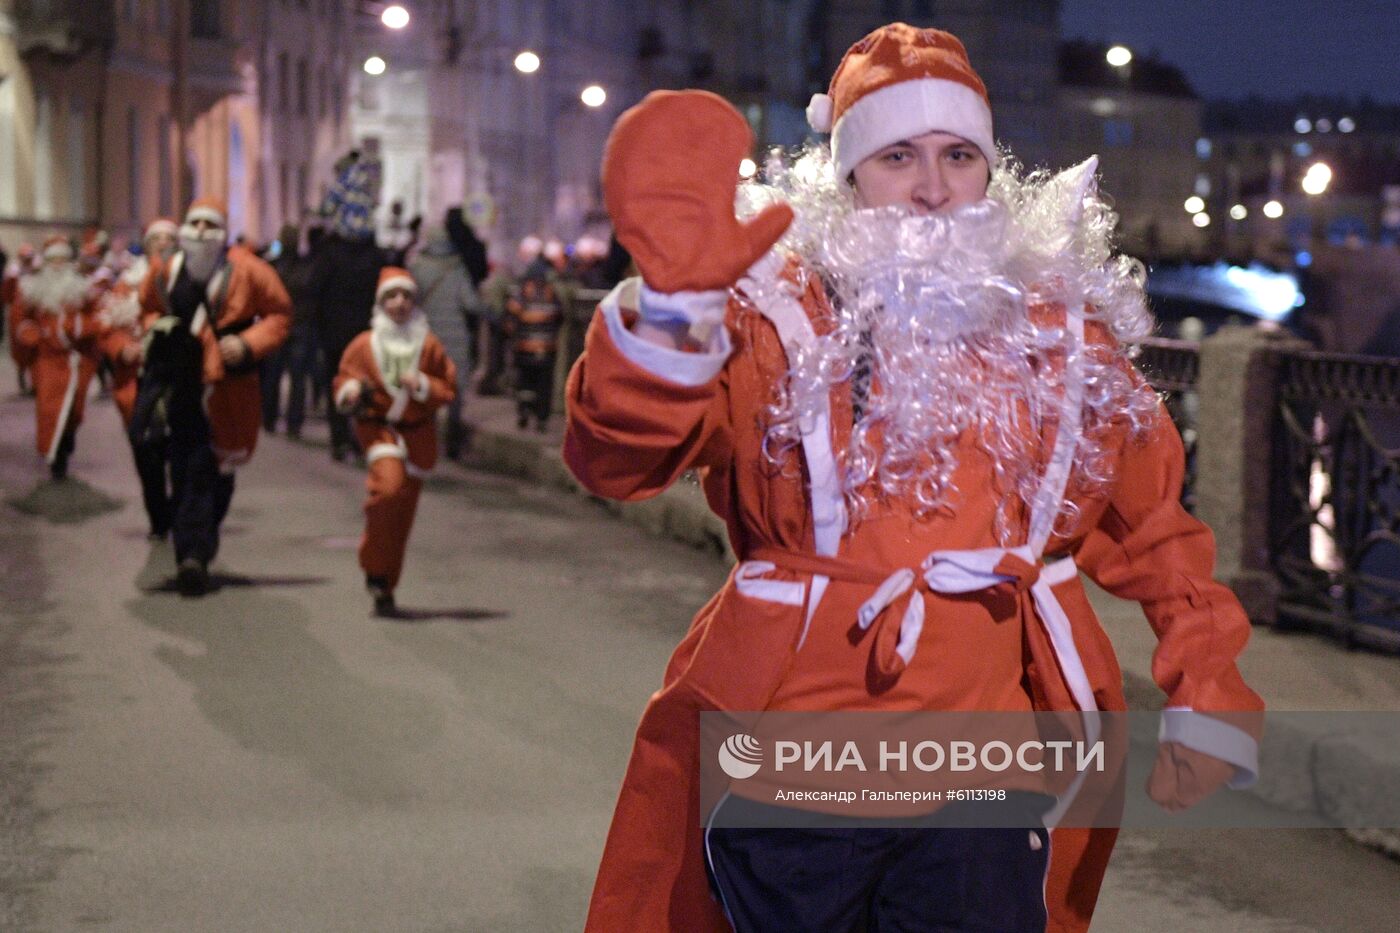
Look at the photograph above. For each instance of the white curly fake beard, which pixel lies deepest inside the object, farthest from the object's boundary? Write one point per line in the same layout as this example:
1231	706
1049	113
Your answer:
940	304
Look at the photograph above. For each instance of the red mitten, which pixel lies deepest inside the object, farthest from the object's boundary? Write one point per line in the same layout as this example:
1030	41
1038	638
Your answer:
670	171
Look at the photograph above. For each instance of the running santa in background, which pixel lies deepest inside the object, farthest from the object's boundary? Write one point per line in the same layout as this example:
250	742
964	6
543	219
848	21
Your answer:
902	373
60	332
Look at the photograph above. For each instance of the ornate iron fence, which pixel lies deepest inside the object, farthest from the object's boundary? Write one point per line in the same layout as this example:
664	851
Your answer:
1174	367
1334	531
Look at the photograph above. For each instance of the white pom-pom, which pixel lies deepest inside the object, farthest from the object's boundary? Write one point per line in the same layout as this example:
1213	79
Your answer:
819	113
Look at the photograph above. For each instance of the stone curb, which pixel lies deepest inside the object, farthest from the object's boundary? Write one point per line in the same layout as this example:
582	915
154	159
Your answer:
1339	772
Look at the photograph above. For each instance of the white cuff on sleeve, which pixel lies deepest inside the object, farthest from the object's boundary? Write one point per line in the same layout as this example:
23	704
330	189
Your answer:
1213	737
347	388
420	394
687	369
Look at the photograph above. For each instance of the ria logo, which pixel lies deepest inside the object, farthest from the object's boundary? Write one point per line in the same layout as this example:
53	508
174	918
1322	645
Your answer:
741	756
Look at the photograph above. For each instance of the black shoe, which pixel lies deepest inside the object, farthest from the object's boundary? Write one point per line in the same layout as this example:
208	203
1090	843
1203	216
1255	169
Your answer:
157	534
58	470
383	597
339	452
192	579
521	420
294	432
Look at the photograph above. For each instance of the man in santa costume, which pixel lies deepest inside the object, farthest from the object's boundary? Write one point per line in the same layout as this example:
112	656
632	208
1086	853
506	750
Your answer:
904	383
393	378
208	315
121	311
59	328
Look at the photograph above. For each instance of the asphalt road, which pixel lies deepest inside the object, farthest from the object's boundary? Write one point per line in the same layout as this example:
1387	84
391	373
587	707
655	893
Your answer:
269	757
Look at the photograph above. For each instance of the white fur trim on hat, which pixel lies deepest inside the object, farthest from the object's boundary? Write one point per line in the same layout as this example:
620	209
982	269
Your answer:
909	109
205	213
819	113
61	250
398	281
167	227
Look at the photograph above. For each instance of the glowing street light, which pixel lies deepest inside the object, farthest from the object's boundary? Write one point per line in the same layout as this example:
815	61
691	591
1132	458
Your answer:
1239	212
1194	205
1346	124
395	16
1119	56
1302	125
1317	179
527	62
374	65
593	96
1201	220
747	168
1273	210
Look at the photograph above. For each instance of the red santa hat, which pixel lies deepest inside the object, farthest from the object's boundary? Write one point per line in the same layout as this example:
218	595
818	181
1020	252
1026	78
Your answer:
897	83
57	247
391	277
161	225
211	209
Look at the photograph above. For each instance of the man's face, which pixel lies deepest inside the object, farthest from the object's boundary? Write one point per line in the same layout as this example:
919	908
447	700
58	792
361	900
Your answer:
398	304
202	226
927	174
160	244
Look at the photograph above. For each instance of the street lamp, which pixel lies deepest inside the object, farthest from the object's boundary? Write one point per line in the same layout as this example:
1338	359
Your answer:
1239	212
527	62
395	16
593	96
1318	177
1273	210
374	65
1119	56
1194	205
1201	220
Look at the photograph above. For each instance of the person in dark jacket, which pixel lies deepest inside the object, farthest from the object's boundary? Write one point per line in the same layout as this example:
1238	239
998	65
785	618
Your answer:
344	274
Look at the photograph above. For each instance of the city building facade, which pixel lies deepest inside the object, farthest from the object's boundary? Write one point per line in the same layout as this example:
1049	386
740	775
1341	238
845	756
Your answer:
113	112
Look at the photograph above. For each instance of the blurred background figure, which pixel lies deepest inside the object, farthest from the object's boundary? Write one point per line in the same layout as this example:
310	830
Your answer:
59	327
297	357
535	314
448	299
24	263
344	274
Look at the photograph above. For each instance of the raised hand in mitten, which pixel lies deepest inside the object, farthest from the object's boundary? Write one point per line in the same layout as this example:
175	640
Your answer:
670	171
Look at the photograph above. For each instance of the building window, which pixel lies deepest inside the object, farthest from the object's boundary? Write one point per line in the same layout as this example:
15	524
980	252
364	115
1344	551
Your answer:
8	175
284	94
205	21
166	195
303	87
77	160
284	190
1117	133
133	165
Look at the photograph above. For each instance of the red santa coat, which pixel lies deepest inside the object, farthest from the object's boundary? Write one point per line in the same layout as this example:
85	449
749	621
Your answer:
392	421
63	346
121	309
640	416
398	433
247	299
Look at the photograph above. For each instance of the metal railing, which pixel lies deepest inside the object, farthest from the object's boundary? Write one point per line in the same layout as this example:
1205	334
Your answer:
1173	367
1334	533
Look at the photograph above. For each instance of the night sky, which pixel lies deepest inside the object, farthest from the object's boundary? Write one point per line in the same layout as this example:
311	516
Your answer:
1273	48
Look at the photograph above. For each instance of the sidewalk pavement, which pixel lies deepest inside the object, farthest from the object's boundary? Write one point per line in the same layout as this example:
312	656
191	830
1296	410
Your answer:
1292	671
